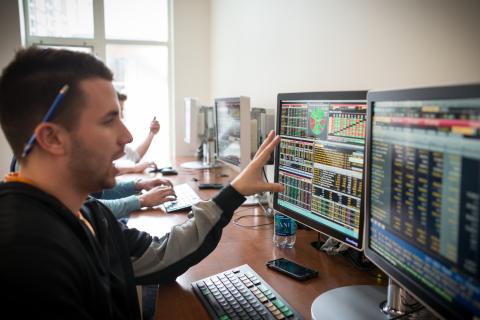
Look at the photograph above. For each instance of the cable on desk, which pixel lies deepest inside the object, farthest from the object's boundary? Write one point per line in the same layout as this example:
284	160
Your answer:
236	220
267	212
244	209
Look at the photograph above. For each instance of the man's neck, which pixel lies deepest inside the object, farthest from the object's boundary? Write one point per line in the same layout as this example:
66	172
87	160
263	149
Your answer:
55	182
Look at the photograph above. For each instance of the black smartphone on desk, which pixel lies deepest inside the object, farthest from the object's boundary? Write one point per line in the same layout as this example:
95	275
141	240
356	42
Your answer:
292	269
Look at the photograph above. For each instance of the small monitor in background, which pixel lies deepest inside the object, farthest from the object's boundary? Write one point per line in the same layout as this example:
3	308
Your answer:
262	122
233	130
193	124
198	128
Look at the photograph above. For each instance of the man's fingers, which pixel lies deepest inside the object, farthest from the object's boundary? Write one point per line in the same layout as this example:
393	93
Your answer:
269	138
163	189
273	187
167	182
170	192
166	190
267	151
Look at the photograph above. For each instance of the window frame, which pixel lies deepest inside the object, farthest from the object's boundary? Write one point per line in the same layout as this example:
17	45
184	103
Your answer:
99	44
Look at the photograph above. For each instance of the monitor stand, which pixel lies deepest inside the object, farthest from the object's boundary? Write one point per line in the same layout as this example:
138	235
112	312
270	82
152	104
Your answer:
364	302
200	165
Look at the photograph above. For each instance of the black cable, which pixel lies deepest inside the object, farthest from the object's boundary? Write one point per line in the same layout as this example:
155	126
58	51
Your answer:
235	220
354	260
264	173
238	211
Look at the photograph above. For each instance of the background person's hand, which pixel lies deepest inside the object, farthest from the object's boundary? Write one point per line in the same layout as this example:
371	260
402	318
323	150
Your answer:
250	180
150	183
156	196
142	166
154	126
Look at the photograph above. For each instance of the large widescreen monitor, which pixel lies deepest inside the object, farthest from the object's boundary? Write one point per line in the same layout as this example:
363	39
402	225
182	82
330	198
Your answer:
320	161
423	194
232	119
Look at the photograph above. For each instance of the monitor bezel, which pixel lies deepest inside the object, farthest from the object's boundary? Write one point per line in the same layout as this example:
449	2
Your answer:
353	96
437	306
244	131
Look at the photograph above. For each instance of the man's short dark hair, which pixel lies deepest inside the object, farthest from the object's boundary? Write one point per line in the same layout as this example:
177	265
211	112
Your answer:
30	83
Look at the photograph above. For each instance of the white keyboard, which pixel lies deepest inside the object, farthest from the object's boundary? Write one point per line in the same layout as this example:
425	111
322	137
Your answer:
186	197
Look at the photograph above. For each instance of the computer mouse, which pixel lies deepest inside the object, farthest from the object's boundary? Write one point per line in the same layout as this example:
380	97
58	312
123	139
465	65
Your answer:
210	186
169	171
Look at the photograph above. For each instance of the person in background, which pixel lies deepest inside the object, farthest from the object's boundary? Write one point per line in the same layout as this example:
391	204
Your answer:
63	253
131	161
127	196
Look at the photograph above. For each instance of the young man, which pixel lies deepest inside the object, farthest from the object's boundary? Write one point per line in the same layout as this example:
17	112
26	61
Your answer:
64	257
130	162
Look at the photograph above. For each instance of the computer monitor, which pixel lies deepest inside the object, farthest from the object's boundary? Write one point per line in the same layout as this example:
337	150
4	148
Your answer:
423	194
233	128
262	122
320	161
193	124
198	128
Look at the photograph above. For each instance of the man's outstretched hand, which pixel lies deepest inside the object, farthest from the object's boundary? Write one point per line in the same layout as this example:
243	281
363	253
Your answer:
250	180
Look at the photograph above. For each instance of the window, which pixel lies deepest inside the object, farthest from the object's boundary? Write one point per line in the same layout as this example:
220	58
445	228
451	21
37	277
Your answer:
57	18
132	38
148	21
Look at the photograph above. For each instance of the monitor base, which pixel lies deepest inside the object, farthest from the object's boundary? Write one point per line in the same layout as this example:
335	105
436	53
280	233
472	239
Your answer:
200	165
350	302
368	302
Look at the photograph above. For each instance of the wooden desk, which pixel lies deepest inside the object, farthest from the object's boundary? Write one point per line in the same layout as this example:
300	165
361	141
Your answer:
252	246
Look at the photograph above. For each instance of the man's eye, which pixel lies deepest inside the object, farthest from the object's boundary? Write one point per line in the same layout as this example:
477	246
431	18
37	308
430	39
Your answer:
108	121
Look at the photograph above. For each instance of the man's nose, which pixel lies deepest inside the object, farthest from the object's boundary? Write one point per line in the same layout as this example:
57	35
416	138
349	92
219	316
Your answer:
126	136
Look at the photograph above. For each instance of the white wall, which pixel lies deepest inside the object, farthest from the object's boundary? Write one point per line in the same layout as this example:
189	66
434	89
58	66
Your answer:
10	40
191	42
261	48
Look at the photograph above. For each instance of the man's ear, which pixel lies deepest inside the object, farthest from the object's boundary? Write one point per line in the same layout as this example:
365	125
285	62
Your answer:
52	138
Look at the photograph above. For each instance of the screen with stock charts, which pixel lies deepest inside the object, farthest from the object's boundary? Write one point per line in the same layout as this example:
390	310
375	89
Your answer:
320	161
423	194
